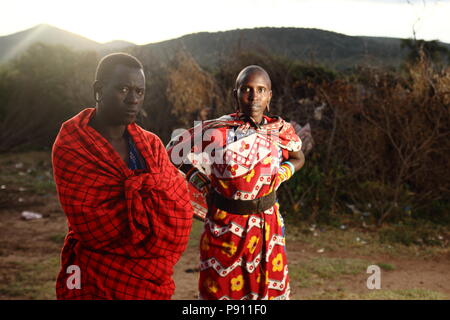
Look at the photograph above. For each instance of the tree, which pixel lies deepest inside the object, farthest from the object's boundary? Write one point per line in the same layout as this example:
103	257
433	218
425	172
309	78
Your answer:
432	51
46	86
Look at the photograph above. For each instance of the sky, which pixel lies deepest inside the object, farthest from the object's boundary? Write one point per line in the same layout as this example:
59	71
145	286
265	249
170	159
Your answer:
148	21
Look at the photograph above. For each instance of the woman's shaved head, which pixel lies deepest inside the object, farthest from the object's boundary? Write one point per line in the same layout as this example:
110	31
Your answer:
250	70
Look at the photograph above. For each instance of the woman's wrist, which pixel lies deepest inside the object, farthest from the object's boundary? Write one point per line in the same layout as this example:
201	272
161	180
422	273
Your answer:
285	172
291	166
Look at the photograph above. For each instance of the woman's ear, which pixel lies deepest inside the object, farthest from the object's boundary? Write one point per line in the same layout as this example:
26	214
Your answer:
235	96
268	101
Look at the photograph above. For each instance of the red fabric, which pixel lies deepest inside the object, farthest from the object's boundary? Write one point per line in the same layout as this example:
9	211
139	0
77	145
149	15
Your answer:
127	229
242	256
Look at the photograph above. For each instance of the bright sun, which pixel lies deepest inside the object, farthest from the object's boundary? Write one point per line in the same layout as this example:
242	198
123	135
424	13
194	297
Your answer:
148	21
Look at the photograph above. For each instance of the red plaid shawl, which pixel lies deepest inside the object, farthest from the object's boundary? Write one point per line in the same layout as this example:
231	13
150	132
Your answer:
126	229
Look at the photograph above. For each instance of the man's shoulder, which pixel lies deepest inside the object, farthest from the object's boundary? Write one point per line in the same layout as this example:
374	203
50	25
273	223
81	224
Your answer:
145	132
81	117
151	138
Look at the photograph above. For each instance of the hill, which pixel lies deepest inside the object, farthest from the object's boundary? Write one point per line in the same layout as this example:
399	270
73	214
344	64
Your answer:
14	44
331	49
309	45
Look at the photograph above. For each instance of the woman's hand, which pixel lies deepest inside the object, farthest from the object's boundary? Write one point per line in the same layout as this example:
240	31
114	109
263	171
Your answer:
297	160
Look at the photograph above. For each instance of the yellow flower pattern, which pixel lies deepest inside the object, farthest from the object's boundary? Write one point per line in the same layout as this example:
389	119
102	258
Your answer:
220	214
249	176
211	285
229	249
237	283
277	263
235	248
267	226
252	244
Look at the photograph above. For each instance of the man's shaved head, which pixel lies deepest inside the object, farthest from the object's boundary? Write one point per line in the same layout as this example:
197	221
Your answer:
250	70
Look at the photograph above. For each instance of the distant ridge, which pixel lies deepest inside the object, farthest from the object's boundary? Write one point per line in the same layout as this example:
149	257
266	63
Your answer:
210	48
308	45
14	44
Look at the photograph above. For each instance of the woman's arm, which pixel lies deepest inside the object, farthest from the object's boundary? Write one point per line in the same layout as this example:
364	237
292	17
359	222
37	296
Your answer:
297	158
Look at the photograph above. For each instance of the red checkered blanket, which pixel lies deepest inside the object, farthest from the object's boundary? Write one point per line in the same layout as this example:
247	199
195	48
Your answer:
127	229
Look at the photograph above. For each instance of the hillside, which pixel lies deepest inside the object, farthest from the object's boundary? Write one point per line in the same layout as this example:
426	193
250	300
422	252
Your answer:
332	49
14	44
308	45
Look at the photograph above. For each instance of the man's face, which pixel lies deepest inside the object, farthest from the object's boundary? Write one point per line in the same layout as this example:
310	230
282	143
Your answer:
253	94
123	95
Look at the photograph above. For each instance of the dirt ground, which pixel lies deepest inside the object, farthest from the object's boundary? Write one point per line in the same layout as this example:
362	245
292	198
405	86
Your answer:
324	262
417	277
29	262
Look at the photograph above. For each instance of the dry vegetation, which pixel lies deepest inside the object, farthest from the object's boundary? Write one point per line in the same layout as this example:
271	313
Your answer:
374	189
325	262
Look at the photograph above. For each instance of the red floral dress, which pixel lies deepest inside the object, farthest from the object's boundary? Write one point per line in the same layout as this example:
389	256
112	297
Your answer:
244	256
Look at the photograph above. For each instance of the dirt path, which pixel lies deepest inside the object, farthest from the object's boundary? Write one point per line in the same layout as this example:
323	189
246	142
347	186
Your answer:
29	262
405	278
322	265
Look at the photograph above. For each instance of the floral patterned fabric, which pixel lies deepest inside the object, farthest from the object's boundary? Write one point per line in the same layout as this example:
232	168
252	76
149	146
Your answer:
244	256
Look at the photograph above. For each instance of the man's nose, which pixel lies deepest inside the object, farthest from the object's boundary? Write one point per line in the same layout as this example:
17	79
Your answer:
132	97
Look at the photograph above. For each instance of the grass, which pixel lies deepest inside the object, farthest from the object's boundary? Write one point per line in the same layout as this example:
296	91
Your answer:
408	294
385	266
196	232
373	241
57	238
412	232
30	250
28	279
26	177
317	271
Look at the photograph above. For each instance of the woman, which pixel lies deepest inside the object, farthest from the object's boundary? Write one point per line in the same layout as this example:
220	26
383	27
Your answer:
239	164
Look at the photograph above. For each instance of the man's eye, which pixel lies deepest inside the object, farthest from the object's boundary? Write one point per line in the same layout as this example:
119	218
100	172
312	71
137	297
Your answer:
262	90
140	92
124	90
246	89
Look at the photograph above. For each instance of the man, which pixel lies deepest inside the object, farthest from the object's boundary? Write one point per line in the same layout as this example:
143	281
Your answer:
239	161
129	216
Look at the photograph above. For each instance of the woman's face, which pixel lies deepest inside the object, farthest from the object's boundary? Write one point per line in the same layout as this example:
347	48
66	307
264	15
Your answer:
253	94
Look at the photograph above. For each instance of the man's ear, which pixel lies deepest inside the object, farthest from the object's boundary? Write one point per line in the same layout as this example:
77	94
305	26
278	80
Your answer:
97	86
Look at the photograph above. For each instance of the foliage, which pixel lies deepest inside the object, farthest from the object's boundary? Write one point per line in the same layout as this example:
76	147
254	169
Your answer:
381	135
432	51
45	86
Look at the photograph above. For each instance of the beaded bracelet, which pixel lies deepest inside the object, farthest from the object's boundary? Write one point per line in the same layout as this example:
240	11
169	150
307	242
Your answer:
285	172
290	165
